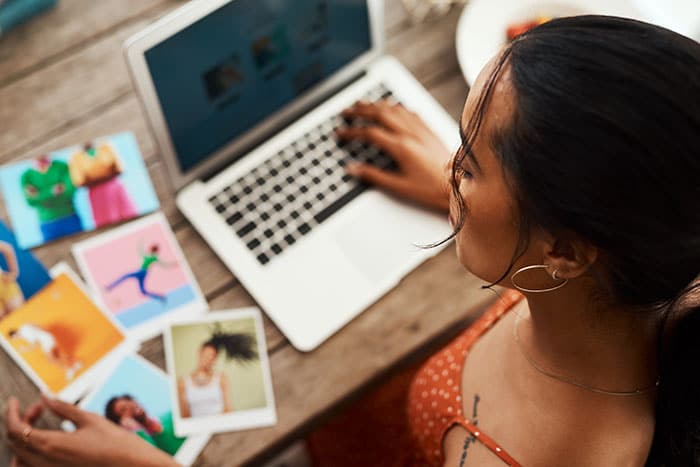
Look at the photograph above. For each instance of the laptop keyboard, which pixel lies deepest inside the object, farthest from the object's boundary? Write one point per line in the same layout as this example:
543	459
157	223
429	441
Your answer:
285	197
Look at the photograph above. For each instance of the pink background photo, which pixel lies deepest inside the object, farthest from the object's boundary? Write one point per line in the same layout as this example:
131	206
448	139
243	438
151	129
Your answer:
118	256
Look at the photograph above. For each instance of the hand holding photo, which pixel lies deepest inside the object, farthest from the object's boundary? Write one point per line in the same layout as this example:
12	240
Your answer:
219	372
140	275
76	189
21	274
61	339
136	397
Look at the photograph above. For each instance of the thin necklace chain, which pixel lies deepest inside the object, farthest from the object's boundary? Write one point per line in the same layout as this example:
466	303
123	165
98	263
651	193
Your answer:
564	379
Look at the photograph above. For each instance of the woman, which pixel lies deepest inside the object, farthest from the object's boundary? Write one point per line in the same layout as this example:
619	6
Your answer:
205	391
576	183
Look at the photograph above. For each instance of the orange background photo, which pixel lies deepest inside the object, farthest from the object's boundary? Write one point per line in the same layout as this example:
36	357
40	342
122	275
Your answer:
78	326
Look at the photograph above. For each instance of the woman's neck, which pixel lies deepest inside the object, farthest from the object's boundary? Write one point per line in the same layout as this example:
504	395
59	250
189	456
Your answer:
601	346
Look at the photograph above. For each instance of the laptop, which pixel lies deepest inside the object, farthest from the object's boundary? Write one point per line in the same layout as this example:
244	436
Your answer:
243	97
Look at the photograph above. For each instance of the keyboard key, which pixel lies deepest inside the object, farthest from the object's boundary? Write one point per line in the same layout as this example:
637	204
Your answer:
276	248
247	190
246	229
269	233
253	244
263	259
339	203
289	239
304	228
220	208
233	218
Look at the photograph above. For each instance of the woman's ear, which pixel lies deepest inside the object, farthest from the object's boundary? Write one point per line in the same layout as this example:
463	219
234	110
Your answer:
568	257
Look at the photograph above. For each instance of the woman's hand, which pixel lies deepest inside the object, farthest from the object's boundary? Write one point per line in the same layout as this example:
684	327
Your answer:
419	153
96	441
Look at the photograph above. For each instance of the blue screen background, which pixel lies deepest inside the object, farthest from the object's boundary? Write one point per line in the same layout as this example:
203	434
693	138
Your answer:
227	72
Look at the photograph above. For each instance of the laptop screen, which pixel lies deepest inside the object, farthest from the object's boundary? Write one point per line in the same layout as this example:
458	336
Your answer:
227	72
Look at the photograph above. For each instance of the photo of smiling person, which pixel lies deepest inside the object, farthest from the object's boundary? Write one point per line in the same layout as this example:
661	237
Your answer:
205	391
125	411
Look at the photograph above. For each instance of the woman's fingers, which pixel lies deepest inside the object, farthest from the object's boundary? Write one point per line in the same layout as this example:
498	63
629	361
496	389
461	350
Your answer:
27	457
381	178
33	412
380	137
68	411
382	112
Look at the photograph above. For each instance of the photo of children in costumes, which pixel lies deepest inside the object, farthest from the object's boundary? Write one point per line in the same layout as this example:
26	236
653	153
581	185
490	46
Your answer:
136	397
21	275
76	189
140	275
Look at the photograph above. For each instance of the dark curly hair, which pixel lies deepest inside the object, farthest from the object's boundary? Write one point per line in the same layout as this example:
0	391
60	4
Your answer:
237	346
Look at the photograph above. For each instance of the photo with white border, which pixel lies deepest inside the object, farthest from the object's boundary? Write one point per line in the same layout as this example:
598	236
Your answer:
219	372
139	273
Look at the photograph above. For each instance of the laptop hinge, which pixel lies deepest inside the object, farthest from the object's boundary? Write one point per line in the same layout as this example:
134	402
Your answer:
283	124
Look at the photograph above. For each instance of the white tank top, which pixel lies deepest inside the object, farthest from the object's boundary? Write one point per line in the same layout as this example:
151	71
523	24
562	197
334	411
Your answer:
204	400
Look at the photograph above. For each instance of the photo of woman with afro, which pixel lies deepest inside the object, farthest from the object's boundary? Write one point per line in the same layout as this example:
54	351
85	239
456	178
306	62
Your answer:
206	390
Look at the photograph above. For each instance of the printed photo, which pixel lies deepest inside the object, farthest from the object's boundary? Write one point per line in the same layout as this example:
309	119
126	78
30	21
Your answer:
77	189
136	397
62	339
219	372
140	275
21	274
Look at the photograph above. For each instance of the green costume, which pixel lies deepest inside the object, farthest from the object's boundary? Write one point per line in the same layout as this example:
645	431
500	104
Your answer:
166	439
50	192
148	260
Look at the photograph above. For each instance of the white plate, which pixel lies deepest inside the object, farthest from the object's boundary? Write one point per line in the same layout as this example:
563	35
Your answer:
481	31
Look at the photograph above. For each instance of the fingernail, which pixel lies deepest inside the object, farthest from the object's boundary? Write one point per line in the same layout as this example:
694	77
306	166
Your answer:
352	169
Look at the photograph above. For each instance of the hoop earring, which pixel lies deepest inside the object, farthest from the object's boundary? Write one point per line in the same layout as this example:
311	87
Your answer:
537	266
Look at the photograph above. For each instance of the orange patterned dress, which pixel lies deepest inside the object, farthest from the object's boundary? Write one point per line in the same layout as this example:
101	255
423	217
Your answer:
403	423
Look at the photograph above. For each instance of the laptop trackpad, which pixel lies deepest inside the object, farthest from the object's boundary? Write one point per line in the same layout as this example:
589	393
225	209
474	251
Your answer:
377	242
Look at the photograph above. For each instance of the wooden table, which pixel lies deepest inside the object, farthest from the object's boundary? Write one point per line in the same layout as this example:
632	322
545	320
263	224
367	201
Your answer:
63	81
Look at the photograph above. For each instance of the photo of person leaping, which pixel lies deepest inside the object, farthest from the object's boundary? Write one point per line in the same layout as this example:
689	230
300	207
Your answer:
148	259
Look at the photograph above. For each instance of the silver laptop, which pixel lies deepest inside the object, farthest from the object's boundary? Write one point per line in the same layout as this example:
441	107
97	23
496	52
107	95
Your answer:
243	97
